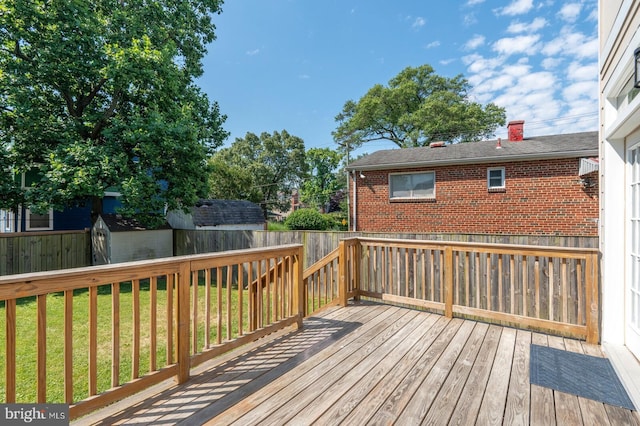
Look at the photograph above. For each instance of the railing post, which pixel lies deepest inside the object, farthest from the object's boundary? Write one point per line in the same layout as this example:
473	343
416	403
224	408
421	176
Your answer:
183	318
299	299
448	282
592	289
342	275
357	267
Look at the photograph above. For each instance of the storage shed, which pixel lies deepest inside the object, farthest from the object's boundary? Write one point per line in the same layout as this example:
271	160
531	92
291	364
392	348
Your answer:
234	215
116	239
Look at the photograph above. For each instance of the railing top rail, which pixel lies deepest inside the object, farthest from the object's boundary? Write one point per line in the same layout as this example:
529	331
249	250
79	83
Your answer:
507	248
322	262
29	284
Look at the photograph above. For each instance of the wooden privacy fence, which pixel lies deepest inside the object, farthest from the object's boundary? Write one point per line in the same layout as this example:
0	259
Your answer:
91	336
44	251
551	289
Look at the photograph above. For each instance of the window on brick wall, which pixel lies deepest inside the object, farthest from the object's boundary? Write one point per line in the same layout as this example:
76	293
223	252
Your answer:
412	185
495	178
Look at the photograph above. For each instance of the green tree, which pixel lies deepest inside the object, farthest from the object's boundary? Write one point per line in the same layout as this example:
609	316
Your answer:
416	108
323	179
101	94
268	167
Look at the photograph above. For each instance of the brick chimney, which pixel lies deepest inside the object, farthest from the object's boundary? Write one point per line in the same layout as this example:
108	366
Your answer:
516	130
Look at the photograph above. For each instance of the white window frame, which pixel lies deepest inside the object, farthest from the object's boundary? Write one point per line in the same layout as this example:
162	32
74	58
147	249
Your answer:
27	221
502	180
413	197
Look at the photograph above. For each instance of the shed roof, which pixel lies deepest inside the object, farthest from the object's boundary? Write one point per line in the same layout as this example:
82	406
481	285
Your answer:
226	212
584	144
118	223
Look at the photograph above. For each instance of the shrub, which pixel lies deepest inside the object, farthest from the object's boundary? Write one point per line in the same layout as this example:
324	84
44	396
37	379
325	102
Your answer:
307	219
337	221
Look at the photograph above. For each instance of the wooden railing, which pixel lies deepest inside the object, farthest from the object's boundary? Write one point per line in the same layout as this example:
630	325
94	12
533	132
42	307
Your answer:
91	336
544	288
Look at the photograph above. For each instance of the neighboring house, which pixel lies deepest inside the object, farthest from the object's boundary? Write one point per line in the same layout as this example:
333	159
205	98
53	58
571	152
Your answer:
116	239
219	215
71	218
522	186
620	175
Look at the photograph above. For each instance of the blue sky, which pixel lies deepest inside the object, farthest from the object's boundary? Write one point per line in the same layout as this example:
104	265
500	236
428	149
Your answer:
292	64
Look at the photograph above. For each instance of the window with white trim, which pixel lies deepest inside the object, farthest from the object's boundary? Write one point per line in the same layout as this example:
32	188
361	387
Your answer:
39	222
412	185
495	178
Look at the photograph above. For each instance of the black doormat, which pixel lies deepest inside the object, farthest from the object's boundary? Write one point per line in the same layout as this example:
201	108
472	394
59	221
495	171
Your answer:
582	375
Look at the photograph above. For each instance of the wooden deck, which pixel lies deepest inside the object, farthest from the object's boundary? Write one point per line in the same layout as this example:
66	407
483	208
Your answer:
373	364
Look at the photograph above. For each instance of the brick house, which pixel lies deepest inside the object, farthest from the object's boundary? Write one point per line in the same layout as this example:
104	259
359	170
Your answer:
523	186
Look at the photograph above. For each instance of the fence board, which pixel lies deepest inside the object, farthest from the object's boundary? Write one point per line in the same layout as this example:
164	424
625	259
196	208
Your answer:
44	251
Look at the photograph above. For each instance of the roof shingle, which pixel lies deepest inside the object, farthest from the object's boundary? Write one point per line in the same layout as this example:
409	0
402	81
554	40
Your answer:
583	144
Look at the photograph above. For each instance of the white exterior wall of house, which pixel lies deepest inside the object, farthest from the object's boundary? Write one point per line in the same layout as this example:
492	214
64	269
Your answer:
619	209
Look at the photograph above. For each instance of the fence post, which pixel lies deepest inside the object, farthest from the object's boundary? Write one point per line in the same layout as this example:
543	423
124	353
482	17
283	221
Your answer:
183	318
299	299
592	289
448	282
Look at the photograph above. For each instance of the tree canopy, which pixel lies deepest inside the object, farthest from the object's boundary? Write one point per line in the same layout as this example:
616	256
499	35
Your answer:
263	169
323	179
101	94
416	108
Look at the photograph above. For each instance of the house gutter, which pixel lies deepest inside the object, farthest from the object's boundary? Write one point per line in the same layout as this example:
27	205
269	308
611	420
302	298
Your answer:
480	160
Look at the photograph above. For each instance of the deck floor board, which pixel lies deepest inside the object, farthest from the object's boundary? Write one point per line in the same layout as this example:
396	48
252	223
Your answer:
372	364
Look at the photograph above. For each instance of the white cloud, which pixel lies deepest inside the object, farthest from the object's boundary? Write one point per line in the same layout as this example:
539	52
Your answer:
304	76
253	52
520	44
447	61
521	27
570	12
581	89
583	72
470	19
418	22
517	7
433	44
478	64
474	2
550	63
476	41
570	43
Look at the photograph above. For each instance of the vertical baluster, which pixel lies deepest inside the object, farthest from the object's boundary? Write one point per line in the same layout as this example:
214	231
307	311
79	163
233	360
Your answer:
240	301
207	307
135	357
68	348
219	305
93	340
10	350
229	280
171	279
115	334
42	349
153	323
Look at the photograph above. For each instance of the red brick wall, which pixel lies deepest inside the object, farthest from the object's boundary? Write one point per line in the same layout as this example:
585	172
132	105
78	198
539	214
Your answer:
541	198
